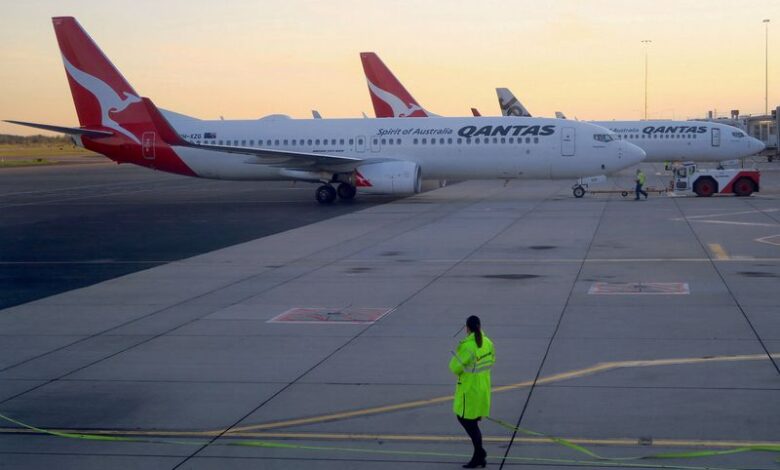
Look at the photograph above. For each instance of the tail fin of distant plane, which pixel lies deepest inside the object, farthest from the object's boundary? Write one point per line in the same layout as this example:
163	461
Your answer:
475	112
510	106
559	115
388	95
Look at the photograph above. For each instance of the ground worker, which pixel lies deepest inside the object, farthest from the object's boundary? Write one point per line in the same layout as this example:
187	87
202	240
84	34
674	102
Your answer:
640	183
471	364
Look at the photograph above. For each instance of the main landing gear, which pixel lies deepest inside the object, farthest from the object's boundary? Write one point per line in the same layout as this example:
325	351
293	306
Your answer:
326	193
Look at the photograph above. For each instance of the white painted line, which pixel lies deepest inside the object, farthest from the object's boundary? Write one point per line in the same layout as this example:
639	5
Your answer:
725	214
729	222
770	240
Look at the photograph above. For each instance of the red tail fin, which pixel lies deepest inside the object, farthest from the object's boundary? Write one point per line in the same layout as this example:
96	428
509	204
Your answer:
388	95
102	96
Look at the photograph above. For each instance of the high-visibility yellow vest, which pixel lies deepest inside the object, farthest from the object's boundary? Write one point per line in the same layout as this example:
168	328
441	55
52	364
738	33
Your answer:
641	178
472	364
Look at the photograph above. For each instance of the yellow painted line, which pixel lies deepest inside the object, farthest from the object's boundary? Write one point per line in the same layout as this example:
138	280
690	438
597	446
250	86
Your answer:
718	251
598	368
316	436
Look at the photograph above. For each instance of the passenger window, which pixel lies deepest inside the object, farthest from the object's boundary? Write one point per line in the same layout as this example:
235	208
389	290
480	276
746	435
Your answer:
351	141
384	141
460	141
503	140
527	140
476	141
468	140
243	143
414	142
309	141
441	141
251	143
424	141
536	140
276	142
398	141
449	141
341	141
495	140
375	141
220	142
235	143
317	142
433	141
332	141
511	140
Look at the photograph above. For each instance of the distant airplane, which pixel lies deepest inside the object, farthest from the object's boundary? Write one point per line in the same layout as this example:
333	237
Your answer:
381	156
316	114
509	105
665	140
475	112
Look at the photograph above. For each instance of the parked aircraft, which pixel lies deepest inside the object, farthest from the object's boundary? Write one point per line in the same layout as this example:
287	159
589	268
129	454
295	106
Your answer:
388	156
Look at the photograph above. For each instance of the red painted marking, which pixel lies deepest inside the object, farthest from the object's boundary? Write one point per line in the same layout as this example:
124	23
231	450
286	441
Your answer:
753	175
361	181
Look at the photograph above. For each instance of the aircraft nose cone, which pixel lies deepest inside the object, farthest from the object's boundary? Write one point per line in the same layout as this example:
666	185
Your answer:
756	145
634	154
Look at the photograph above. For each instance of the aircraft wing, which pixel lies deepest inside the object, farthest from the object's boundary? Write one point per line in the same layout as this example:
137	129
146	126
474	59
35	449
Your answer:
65	130
285	158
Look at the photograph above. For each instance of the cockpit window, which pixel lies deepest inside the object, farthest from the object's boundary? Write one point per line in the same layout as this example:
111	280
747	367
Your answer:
604	137
738	134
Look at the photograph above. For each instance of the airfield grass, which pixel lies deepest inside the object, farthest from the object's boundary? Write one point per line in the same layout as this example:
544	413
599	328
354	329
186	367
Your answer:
20	155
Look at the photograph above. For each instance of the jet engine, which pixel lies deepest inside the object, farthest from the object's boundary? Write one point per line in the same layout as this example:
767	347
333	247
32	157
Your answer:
389	178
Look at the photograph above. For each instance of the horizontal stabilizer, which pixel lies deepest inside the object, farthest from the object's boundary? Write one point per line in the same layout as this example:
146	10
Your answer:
65	130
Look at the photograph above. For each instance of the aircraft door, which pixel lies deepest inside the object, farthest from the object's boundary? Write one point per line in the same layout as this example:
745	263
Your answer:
715	137
567	141
360	143
147	145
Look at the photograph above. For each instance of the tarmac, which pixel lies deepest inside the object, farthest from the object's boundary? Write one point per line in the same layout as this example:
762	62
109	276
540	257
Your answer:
632	328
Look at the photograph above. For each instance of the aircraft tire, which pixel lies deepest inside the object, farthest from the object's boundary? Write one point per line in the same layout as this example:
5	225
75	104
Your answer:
325	194
578	191
744	187
346	191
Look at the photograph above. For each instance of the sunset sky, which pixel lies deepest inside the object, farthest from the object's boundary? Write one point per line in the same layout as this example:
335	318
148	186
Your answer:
246	59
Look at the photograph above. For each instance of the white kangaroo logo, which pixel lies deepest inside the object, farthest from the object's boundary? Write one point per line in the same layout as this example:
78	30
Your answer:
400	109
110	101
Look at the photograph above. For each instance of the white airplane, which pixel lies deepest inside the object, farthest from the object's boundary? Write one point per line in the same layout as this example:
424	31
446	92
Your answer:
665	140
388	156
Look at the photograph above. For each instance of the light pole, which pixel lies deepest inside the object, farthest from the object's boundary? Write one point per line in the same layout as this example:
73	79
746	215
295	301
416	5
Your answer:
766	66
646	42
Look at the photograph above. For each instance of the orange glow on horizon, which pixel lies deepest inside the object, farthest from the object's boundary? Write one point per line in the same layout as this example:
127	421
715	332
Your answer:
247	59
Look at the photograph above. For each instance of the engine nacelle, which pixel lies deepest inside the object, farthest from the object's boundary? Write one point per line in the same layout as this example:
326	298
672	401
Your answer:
389	178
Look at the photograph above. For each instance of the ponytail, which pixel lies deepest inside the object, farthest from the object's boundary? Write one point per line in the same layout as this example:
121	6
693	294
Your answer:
475	326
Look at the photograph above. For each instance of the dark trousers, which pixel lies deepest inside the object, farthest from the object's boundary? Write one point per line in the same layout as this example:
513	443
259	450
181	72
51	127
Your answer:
639	190
472	429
